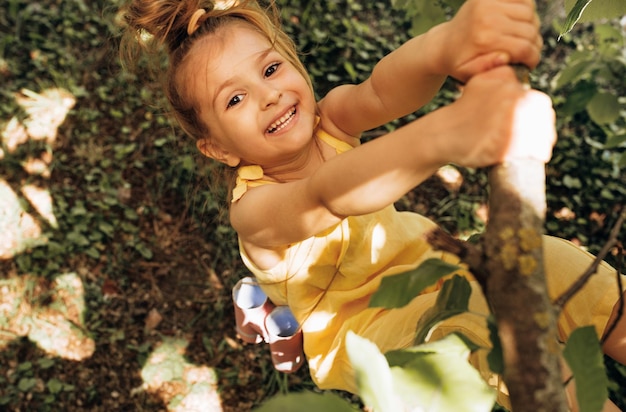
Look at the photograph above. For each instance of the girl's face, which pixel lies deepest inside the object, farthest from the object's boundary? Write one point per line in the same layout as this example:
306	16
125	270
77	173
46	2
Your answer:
258	107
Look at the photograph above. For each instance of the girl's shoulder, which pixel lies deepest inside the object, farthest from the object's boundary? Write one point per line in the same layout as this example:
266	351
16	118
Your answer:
328	126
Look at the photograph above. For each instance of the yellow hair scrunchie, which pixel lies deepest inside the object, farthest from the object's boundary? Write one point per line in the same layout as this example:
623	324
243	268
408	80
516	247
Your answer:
193	21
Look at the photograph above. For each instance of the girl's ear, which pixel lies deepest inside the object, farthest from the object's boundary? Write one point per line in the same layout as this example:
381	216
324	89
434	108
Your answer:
210	148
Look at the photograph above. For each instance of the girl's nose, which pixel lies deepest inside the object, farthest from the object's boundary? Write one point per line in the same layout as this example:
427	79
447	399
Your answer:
271	96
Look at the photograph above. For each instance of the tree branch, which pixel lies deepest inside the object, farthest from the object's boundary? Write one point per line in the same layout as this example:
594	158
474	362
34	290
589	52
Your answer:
470	254
584	278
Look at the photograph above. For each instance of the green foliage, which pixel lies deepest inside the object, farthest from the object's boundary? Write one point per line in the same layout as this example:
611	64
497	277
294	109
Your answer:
426	14
398	290
584	357
588	10
452	300
373	376
592	80
306	402
433	376
340	41
585	177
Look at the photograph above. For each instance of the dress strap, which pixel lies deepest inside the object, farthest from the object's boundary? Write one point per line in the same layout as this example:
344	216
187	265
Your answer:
339	145
252	176
248	176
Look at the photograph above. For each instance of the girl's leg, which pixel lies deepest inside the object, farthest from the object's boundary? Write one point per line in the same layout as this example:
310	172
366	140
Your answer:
615	343
595	303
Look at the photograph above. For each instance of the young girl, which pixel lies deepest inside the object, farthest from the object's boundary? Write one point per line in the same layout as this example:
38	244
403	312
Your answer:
313	208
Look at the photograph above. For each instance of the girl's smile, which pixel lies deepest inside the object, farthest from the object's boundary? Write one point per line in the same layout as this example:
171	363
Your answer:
283	122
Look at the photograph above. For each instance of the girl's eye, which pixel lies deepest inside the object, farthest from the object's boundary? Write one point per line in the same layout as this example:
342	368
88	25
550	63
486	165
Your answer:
234	101
271	69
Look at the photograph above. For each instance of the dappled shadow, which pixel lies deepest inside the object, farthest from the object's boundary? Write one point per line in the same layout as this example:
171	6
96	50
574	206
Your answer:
159	336
49	313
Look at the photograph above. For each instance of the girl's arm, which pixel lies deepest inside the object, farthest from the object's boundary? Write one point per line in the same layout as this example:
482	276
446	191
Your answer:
495	119
484	34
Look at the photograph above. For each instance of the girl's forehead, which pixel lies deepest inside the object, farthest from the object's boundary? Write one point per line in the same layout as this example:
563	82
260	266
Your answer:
232	51
236	41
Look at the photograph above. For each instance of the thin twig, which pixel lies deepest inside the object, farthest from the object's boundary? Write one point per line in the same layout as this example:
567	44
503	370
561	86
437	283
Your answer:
582	280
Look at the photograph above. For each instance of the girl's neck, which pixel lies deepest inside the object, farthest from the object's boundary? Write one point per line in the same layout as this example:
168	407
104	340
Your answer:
302	166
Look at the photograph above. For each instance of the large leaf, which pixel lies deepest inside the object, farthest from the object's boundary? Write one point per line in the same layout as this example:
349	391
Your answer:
614	141
306	402
454	343
452	300
596	9
584	357
440	378
398	290
610	41
574	13
603	108
579	98
372	373
574	72
429	14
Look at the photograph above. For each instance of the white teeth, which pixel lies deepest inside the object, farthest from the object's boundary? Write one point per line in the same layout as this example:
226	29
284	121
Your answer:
282	122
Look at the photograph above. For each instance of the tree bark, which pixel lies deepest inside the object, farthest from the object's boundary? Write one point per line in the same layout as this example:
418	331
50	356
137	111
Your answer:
515	287
509	266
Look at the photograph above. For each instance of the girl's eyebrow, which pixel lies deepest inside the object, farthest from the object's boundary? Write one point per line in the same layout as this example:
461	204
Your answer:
228	82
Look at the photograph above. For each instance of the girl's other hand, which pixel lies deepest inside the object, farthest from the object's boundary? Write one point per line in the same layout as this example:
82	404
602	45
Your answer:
489	33
498	119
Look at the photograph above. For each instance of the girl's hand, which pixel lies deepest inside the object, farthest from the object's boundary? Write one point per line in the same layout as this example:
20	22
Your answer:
488	33
498	119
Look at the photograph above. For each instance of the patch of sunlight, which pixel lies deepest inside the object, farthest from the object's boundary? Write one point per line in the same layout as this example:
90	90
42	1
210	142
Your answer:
50	315
318	321
379	239
41	201
451	178
19	230
184	387
46	112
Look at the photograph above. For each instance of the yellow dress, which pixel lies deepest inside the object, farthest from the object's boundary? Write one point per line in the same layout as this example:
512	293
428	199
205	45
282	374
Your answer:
328	279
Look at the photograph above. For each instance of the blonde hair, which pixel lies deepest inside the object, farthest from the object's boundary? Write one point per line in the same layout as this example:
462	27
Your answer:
154	25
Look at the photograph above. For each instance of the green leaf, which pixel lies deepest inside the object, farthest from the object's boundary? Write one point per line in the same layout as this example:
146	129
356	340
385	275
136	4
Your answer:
572	182
306	402
598	9
610	40
454	343
615	141
54	385
26	384
398	290
579	98
603	108
372	374
573	73
584	357
574	15
144	250
453	299
430	15
495	356
442	380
